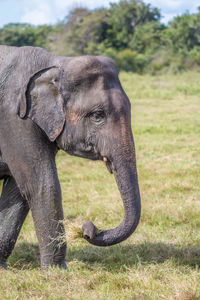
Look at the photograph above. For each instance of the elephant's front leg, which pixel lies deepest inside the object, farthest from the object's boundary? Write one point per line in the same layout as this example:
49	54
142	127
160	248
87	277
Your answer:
30	157
47	215
36	177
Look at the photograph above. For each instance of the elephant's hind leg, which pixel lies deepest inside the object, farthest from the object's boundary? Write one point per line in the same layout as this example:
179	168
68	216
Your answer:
13	211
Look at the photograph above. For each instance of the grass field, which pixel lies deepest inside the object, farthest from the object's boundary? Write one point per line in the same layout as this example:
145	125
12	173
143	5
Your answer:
162	259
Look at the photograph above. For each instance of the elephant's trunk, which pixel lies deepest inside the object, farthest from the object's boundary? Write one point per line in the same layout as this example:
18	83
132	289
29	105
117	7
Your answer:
125	172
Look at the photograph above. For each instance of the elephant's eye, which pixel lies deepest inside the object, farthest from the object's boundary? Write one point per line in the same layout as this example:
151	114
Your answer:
97	116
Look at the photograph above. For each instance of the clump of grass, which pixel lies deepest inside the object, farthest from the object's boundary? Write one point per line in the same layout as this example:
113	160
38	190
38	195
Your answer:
73	228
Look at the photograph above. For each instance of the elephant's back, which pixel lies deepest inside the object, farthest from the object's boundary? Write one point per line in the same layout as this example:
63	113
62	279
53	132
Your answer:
5	52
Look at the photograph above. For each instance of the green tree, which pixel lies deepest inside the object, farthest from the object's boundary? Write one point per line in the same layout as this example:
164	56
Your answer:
15	34
83	32
184	32
147	37
125	16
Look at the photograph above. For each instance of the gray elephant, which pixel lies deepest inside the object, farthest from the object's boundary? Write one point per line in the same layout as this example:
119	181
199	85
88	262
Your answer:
48	103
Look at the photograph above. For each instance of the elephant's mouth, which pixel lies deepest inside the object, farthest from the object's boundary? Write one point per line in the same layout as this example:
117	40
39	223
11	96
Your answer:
90	152
108	164
84	151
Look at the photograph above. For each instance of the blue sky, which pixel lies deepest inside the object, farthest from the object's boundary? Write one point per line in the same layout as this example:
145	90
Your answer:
50	11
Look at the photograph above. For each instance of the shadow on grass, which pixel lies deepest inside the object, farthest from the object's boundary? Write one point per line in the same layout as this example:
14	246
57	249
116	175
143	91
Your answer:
120	256
26	255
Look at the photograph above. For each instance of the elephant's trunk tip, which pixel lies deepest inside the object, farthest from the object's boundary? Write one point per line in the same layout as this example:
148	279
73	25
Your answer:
89	230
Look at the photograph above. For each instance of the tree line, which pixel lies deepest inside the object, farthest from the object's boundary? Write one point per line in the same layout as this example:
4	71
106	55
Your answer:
130	32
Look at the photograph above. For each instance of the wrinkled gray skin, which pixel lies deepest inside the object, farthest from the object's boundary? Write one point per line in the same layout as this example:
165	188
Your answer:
49	103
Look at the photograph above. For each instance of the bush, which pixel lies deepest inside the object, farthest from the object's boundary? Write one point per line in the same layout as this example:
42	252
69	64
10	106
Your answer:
129	60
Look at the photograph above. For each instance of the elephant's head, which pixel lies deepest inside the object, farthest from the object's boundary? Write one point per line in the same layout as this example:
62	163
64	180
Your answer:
80	105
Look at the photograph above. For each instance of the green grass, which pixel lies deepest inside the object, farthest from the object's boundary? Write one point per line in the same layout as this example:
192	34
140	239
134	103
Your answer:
161	260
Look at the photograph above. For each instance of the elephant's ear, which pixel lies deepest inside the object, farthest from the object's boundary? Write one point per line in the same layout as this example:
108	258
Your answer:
43	102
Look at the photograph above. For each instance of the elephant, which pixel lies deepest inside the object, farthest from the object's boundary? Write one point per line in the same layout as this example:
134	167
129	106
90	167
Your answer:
48	103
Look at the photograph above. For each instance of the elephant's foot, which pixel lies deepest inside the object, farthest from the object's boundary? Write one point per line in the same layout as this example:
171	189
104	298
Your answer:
62	266
53	256
3	265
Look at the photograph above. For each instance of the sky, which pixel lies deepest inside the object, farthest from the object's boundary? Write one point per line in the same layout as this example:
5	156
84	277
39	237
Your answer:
39	12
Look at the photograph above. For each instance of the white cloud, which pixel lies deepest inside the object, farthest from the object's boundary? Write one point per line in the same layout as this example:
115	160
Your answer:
37	12
50	11
61	4
172	8
167	17
169	5
35	17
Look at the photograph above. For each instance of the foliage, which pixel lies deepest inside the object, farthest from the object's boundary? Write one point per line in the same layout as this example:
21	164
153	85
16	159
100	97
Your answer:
129	31
129	60
161	259
184	32
24	35
147	38
125	16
